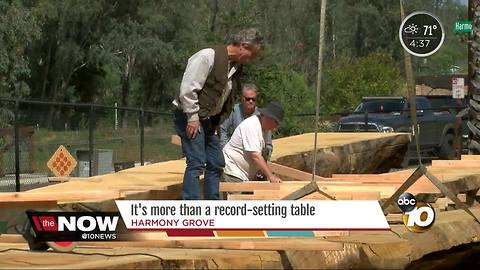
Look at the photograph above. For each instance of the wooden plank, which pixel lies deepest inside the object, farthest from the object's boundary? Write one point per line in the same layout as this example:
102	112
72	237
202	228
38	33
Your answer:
372	178
389	179
233	197
370	175
395	218
248	186
385	190
11	238
292	173
366	195
236	243
456	163
62	179
314	196
340	192
37	204
471	157
442	203
175	139
67	196
122	256
332	233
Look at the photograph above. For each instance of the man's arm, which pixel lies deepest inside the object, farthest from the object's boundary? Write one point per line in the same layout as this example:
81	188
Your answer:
268	145
262	165
196	73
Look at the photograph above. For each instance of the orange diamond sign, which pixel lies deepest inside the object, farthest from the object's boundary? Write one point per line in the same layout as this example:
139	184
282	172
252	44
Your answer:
62	163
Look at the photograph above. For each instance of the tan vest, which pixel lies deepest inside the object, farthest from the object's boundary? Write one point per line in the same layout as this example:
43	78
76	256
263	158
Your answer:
215	85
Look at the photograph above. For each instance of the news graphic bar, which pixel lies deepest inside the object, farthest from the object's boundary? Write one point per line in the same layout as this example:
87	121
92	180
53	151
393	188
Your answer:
250	218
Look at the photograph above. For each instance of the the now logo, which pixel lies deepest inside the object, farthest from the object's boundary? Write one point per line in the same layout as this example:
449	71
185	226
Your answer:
75	226
87	223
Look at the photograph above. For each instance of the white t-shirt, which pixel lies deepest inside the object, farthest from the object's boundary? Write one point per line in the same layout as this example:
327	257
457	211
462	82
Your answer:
247	137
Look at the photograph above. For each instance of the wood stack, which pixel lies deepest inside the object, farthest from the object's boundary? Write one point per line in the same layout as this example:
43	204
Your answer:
462	177
355	249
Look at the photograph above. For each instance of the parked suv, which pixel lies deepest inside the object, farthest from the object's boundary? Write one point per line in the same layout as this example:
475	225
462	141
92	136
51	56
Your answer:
391	114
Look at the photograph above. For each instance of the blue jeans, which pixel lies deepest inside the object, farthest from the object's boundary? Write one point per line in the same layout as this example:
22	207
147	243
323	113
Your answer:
202	153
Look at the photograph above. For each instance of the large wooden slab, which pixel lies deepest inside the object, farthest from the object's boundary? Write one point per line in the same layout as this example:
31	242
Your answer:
392	250
159	180
358	152
137	258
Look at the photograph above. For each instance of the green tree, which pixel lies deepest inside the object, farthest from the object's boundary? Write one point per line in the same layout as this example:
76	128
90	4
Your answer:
277	83
19	28
349	79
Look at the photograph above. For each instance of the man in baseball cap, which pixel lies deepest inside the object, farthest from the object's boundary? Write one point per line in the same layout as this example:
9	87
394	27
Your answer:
243	152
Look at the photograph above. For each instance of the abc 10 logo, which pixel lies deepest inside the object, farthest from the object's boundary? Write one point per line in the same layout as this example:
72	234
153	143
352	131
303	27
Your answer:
418	217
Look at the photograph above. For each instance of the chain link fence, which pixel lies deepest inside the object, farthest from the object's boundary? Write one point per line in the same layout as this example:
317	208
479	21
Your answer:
101	138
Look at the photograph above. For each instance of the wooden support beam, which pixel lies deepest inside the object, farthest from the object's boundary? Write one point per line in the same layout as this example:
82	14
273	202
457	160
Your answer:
442	203
395	218
385	190
63	179
388	179
175	139
372	178
46	204
248	186
292	173
11	238
246	197
471	157
66	196
313	196
456	163
332	233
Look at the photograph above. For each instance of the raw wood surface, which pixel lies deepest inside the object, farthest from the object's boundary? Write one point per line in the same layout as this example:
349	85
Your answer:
471	157
358	152
392	250
97	257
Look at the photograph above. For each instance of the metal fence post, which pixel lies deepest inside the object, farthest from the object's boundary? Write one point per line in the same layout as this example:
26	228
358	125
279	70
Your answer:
17	146
91	127
142	135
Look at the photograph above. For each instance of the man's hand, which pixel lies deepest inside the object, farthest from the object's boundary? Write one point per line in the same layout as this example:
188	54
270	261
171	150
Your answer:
274	179
193	128
262	165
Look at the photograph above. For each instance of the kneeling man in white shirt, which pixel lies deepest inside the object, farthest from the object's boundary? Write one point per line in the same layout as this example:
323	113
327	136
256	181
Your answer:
243	152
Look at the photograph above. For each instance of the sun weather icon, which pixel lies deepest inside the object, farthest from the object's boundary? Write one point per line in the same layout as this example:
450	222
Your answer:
411	29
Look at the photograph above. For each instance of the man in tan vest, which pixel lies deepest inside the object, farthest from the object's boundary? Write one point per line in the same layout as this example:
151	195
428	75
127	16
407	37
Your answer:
209	84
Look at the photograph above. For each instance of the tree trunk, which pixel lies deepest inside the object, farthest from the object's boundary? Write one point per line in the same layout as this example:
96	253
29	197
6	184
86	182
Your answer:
359	37
214	15
127	73
46	69
52	97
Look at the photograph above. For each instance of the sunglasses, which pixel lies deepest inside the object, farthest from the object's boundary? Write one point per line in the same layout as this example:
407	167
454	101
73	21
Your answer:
250	98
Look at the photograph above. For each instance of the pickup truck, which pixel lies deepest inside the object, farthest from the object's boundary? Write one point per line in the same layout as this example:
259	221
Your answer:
391	114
